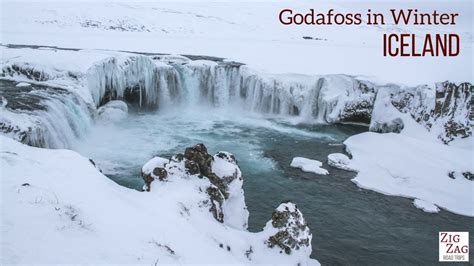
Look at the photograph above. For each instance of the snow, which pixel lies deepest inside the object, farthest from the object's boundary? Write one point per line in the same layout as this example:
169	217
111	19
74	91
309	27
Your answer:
153	163
413	167
59	203
340	161
308	165
23	84
234	208
425	206
255	36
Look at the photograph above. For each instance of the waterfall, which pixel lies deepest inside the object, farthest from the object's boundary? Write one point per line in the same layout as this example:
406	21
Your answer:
151	83
159	83
44	116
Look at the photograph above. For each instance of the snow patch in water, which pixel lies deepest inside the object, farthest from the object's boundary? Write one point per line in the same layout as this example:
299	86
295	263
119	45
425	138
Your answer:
308	165
425	206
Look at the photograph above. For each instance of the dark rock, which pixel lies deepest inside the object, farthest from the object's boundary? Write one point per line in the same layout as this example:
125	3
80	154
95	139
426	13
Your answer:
454	103
177	158
198	155
451	175
468	175
160	173
216	201
248	253
293	232
360	109
147	178
192	168
450	110
227	156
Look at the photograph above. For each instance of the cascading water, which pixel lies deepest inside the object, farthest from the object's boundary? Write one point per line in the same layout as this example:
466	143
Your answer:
153	82
157	84
43	116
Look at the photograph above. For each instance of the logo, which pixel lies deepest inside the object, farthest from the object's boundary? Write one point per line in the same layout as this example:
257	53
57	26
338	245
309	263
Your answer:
453	246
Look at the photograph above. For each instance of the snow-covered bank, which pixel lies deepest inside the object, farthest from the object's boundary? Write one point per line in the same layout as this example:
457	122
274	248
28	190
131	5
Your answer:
429	157
419	168
59	203
255	36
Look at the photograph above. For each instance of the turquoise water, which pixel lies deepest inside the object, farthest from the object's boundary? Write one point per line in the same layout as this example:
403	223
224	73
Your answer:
349	225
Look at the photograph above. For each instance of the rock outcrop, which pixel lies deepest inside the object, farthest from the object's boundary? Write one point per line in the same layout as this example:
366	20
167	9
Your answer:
443	110
225	197
288	230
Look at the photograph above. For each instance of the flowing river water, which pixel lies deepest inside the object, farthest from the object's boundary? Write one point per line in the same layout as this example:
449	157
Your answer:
349	225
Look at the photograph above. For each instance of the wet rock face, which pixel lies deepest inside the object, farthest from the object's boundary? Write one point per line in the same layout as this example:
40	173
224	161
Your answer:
289	230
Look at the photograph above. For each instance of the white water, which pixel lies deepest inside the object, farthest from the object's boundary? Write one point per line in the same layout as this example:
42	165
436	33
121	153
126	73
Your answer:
120	149
45	117
161	84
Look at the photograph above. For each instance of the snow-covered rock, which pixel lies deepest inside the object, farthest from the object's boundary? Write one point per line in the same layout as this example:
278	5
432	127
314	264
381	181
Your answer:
234	208
288	230
444	110
340	161
309	165
59	203
226	196
154	169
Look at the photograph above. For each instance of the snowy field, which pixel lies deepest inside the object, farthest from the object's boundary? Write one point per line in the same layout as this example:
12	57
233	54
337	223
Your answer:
248	32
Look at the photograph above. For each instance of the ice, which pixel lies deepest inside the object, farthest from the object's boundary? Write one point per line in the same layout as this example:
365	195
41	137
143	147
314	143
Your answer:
113	111
425	206
23	84
309	165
